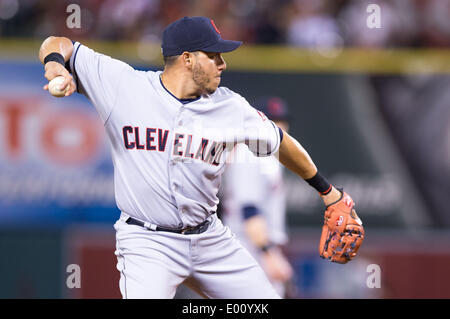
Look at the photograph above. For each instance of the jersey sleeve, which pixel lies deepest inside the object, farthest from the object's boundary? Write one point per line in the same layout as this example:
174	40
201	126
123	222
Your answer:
98	77
262	135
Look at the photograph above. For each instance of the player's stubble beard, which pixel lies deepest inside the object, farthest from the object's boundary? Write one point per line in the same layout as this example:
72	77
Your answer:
202	80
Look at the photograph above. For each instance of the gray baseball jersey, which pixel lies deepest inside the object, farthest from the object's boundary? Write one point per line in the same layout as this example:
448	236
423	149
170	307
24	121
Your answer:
168	154
168	157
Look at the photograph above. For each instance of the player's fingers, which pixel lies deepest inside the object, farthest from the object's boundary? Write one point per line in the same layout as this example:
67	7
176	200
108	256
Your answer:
45	87
49	75
67	80
72	88
70	92
54	69
52	73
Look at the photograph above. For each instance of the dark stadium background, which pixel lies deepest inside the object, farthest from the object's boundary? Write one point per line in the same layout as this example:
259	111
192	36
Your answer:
371	106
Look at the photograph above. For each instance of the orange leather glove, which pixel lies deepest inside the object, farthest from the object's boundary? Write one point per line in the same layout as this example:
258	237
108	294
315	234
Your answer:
342	231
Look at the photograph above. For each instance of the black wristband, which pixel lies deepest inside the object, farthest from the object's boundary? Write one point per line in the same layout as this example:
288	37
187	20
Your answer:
55	56
320	183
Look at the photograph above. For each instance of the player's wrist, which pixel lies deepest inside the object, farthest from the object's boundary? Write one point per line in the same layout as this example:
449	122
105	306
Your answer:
334	196
320	184
56	57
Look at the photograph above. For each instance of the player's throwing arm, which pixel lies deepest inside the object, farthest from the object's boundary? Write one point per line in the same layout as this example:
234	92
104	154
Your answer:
54	53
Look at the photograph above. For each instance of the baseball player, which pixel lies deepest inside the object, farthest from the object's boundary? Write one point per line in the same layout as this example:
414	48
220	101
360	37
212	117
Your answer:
253	199
171	132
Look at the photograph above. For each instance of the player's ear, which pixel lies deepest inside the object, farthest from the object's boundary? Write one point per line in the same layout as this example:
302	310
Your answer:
187	58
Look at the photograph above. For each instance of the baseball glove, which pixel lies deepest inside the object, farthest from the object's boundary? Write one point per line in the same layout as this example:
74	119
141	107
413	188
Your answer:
342	231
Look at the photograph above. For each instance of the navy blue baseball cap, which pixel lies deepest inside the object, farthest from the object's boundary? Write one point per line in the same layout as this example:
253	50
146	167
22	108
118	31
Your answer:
194	34
274	107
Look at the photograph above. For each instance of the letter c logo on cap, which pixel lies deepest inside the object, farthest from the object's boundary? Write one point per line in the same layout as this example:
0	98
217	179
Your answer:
215	28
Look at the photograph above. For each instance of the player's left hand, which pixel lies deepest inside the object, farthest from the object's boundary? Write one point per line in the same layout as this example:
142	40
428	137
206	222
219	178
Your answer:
342	231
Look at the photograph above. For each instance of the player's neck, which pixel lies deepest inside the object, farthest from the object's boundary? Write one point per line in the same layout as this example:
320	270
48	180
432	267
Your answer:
179	85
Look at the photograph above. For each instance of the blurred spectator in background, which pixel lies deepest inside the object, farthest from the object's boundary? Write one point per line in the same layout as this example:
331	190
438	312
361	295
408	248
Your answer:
304	23
435	22
312	25
127	19
398	25
254	203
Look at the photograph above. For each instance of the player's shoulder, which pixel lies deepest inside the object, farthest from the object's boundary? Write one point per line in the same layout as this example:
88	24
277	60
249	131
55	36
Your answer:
152	75
225	94
96	58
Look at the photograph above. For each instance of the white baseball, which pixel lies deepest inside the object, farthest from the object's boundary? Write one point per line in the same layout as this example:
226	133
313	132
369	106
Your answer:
53	87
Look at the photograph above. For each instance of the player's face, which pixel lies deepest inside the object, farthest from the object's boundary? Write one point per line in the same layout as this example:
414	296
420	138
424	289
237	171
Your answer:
207	70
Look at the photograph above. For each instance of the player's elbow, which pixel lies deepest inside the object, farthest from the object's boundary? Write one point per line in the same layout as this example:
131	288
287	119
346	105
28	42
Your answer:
48	42
54	38
61	45
50	38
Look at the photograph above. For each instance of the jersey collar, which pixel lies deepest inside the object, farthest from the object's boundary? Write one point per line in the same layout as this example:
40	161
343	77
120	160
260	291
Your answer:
182	101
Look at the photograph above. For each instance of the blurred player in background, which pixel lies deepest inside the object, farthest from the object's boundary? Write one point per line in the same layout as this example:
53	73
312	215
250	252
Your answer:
254	202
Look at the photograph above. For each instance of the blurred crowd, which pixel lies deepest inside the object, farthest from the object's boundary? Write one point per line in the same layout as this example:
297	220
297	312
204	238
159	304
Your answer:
304	23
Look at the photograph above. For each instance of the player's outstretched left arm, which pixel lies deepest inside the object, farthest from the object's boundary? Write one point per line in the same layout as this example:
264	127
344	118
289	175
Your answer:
292	155
342	231
57	51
